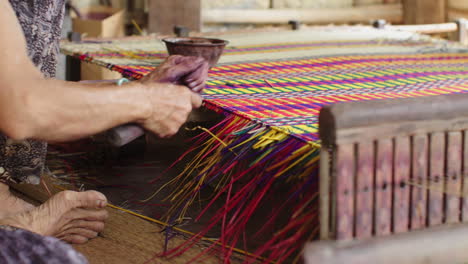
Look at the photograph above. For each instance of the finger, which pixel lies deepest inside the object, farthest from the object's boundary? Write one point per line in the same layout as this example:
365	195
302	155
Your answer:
195	84
74	239
97	226
187	66
175	59
79	231
194	59
196	100
199	89
88	214
200	74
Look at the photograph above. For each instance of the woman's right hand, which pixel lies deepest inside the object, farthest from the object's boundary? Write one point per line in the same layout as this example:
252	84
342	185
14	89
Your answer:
168	107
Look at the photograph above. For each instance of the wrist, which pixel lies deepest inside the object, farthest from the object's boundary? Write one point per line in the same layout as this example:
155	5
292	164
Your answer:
142	101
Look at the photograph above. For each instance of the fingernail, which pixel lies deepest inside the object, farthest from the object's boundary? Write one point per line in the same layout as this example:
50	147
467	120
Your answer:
101	203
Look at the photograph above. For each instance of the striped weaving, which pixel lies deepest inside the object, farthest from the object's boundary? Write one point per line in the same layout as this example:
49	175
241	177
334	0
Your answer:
289	94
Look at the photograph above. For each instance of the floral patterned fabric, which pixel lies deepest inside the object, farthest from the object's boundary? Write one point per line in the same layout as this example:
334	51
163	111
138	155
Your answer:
41	21
21	246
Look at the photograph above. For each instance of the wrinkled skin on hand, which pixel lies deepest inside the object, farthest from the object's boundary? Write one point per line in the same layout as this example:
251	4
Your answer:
184	70
171	105
173	92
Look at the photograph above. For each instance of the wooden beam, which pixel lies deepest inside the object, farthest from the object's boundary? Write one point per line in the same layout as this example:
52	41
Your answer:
389	12
427	29
460	28
447	244
165	14
424	11
355	121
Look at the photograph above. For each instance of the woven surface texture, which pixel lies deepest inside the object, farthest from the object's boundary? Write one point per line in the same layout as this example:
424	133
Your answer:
288	93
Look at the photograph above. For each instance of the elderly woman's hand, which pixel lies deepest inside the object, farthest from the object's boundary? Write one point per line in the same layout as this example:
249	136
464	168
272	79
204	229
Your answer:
169	106
189	71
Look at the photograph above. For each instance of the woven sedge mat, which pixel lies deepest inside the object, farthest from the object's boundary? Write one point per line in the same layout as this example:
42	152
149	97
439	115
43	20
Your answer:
288	93
271	92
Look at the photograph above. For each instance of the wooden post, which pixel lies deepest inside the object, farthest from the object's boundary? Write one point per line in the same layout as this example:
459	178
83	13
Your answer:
424	11
462	34
165	14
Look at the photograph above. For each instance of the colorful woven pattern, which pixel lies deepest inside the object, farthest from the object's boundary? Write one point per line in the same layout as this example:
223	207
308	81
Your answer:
136	59
290	94
265	153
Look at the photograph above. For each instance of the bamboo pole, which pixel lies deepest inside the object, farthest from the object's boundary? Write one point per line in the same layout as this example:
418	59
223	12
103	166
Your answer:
389	12
427	29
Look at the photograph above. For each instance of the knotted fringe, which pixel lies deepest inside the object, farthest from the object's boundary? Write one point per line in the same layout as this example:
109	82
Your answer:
249	166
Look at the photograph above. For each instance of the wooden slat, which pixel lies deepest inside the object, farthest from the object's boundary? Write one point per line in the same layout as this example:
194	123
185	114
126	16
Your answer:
401	185
453	177
400	128
377	119
383	189
464	209
462	34
325	179
424	11
345	191
437	157
165	14
419	180
364	190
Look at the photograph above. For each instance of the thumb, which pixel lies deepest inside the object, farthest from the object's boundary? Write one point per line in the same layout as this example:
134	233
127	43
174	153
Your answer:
197	100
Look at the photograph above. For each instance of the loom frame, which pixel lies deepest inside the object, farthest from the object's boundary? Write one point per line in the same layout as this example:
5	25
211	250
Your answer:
415	137
382	171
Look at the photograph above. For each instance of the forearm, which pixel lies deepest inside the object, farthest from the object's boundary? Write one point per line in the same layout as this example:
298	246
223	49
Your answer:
53	110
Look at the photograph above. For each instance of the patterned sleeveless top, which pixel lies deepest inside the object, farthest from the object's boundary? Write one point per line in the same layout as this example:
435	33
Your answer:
41	21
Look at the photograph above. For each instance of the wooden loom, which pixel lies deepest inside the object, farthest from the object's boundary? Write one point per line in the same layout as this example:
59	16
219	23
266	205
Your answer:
351	227
389	167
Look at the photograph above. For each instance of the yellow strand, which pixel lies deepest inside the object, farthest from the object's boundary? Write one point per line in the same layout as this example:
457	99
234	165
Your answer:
207	164
270	137
175	179
248	140
299	211
294	164
212	240
209	132
138	28
293	156
304	174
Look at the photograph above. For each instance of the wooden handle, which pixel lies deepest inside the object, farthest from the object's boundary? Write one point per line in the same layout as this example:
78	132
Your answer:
122	135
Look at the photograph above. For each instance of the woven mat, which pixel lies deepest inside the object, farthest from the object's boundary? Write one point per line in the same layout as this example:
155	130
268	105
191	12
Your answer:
288	93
